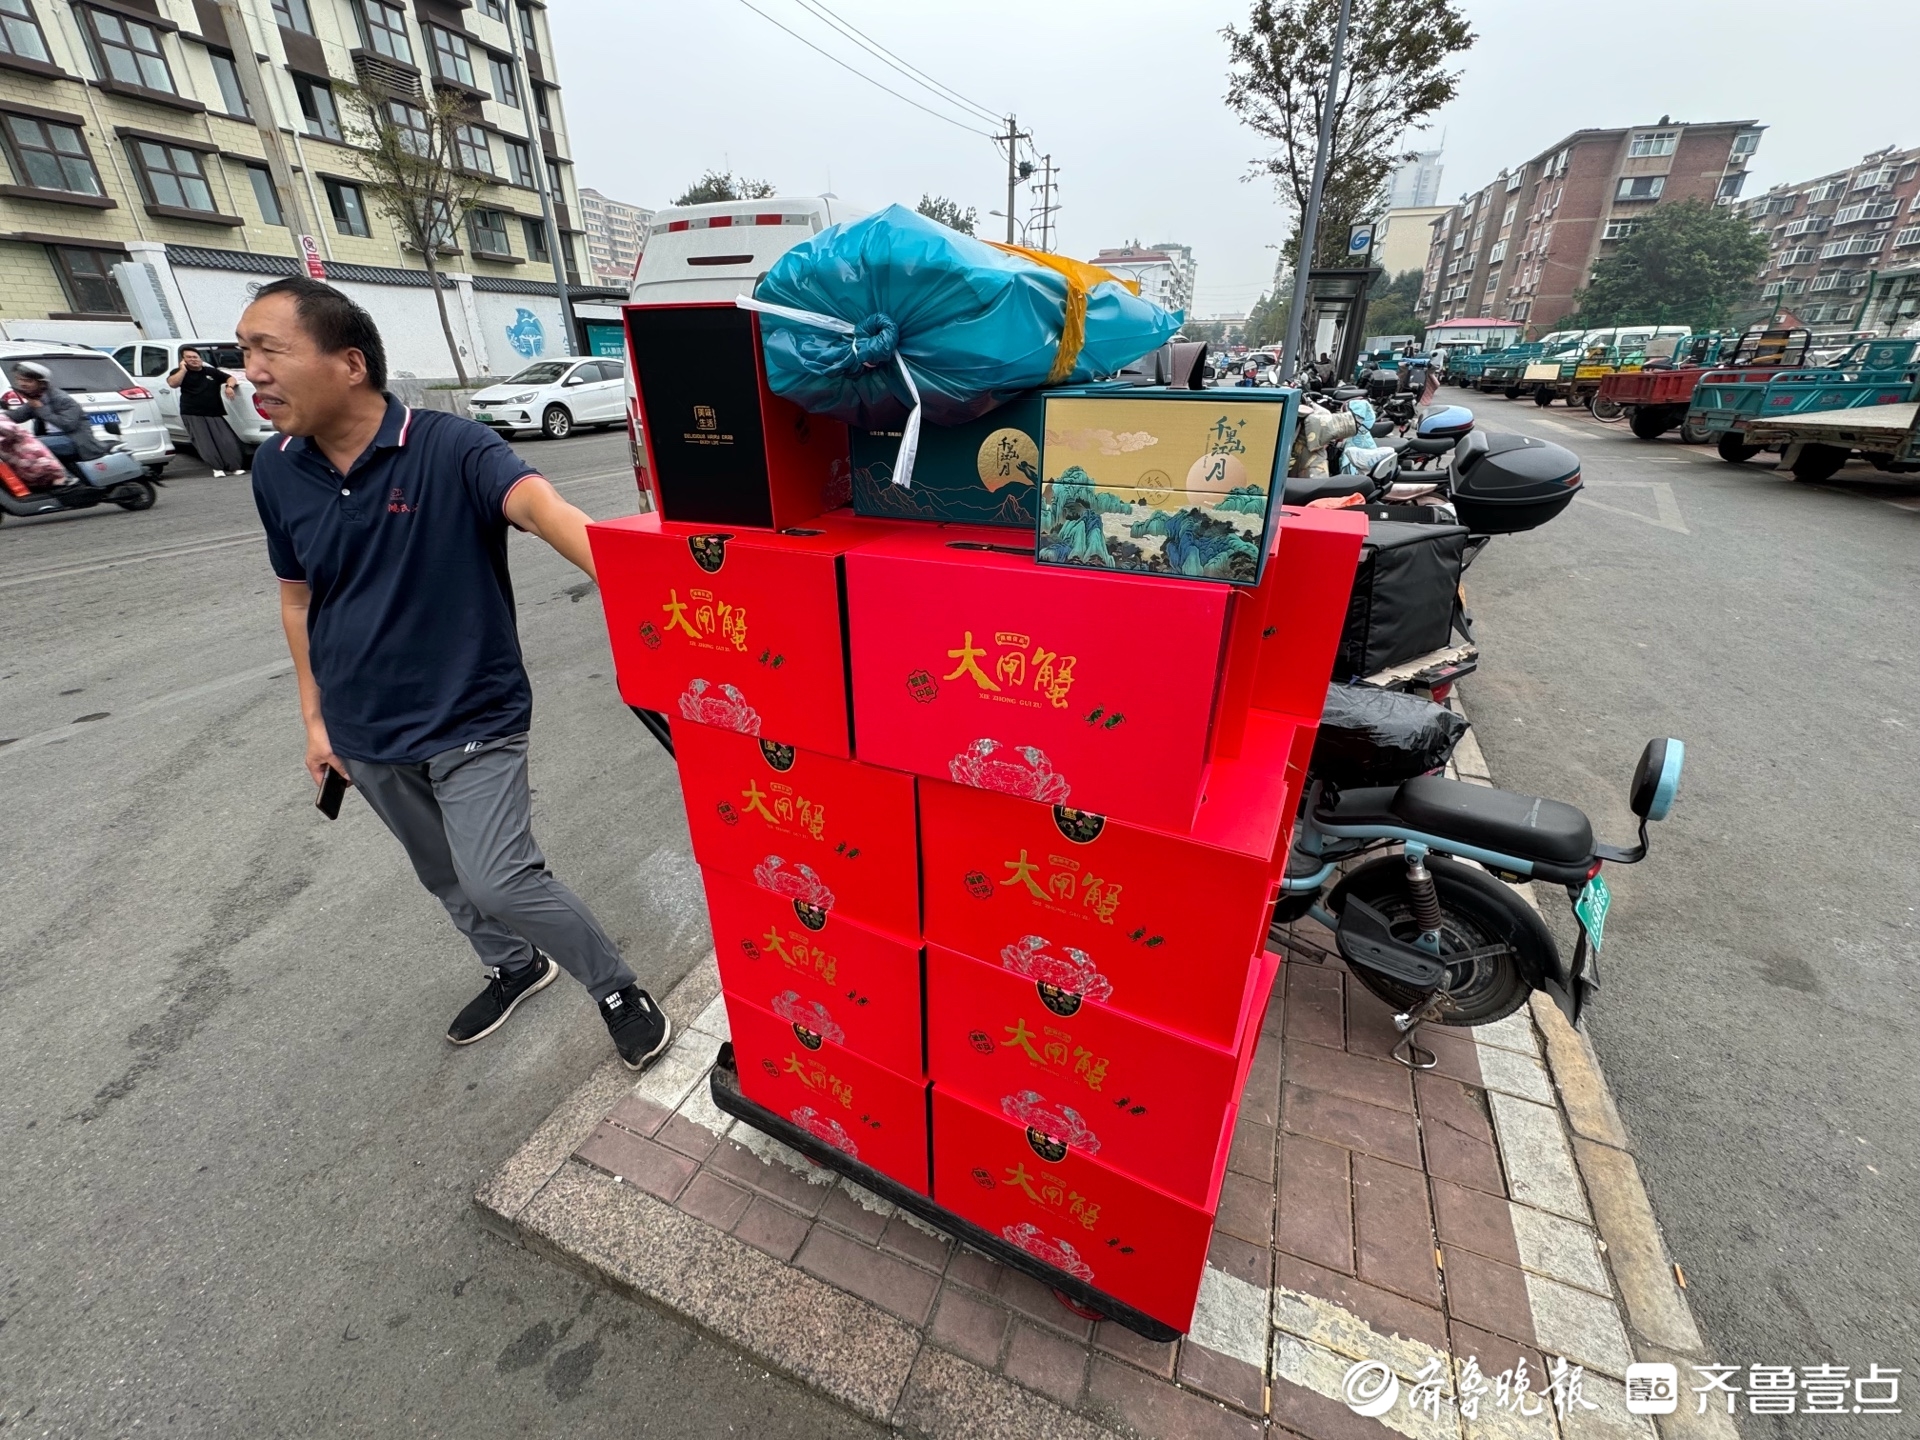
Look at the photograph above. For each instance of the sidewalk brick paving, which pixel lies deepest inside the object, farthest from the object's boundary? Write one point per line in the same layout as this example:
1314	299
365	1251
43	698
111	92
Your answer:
1369	1213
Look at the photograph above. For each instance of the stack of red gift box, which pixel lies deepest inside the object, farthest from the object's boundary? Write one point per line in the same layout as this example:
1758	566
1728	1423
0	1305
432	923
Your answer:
989	848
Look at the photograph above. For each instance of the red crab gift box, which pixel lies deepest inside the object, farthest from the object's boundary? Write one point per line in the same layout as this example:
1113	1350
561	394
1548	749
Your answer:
827	836
1034	1190
739	630
859	986
1151	923
973	664
1145	1100
860	1108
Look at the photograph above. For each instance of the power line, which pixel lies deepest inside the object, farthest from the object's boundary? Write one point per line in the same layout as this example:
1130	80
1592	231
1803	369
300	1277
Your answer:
863	74
886	56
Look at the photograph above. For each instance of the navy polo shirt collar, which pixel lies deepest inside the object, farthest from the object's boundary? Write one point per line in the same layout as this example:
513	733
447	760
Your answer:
392	435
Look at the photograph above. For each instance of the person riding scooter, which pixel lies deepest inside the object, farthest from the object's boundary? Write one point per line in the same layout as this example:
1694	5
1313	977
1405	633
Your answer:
53	415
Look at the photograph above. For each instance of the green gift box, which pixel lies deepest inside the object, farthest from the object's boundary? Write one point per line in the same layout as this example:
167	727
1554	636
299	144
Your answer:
1152	481
984	472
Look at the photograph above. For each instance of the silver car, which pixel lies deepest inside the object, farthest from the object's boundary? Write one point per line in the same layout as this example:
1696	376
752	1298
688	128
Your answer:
121	409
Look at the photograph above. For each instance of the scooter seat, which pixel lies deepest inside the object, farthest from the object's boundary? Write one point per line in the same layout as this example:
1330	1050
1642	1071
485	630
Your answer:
1418	445
1300	490
1525	826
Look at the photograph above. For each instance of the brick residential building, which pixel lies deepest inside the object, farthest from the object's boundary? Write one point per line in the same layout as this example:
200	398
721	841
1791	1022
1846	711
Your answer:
1521	246
128	131
615	233
1831	236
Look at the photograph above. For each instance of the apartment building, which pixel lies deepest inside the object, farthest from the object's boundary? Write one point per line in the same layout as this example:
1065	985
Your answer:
1524	244
1164	272
615	234
130	129
1832	239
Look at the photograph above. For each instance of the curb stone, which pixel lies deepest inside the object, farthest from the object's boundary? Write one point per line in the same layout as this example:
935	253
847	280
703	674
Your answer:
1660	1322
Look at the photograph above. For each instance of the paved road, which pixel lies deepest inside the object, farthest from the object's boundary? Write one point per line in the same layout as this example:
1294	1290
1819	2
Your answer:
237	1149
1761	994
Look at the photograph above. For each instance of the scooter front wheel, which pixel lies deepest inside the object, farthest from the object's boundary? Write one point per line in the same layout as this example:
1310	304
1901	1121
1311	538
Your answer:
1479	916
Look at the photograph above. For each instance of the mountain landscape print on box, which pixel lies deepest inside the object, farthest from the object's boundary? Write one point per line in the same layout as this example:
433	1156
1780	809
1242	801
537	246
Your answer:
982	473
1161	485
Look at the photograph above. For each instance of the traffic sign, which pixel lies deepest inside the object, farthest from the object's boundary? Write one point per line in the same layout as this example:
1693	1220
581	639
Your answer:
1360	238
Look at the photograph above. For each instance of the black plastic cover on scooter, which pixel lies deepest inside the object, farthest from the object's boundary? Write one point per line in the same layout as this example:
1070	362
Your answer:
1503	484
1405	590
1381	737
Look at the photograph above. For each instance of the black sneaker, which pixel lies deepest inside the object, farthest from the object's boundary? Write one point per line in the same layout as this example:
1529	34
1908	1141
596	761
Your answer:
640	1028
489	1010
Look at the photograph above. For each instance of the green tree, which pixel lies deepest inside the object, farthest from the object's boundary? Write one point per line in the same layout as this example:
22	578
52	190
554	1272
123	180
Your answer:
1390	306
948	213
1689	263
1393	76
408	156
718	185
1267	321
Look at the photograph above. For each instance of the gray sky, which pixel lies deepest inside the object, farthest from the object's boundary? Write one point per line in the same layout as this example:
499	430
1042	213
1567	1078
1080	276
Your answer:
1126	94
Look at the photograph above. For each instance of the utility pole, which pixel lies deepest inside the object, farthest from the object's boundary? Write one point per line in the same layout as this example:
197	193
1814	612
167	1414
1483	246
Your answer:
1013	137
1046	187
1310	222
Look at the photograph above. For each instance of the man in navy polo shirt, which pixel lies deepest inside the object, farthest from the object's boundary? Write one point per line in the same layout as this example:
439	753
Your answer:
388	530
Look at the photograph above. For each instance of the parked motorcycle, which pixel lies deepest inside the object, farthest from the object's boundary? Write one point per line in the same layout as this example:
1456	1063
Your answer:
1441	941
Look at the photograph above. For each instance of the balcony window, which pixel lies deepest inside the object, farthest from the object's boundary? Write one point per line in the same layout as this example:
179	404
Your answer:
50	156
411	127
450	58
471	149
1746	142
349	208
1653	142
520	163
526	30
1619	229
264	195
128	51
173	176
540	107
1872	179
536	235
316	105
494	9
1516	180
87	277
20	32
489	231
1497	253
1908	236
293	15
1730	185
506	89
386	30
232	98
1640	187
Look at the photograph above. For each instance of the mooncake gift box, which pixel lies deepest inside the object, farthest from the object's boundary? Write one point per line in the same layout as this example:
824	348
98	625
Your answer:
1164	482
985	472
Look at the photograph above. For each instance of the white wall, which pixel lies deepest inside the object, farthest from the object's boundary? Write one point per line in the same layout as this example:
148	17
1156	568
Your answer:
502	321
408	321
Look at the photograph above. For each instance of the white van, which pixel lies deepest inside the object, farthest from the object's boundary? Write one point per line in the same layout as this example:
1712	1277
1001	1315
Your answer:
152	361
715	252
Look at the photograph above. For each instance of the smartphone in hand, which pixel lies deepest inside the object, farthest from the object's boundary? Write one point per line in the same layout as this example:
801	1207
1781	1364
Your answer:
333	790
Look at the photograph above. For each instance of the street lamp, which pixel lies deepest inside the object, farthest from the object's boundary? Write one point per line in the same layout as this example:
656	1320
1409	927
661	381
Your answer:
1002	215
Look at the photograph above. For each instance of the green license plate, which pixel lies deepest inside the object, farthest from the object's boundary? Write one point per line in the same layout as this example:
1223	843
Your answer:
484	418
1591	908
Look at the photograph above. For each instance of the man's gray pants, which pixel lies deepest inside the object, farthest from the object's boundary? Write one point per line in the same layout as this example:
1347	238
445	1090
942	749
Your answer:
214	441
465	818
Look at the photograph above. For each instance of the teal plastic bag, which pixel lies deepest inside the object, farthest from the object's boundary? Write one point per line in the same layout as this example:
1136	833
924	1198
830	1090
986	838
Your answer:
974	325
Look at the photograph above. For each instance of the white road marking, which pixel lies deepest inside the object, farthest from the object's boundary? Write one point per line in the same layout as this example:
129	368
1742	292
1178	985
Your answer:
1666	506
272	670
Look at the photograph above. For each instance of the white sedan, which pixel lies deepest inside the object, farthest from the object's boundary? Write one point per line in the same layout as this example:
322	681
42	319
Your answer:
555	397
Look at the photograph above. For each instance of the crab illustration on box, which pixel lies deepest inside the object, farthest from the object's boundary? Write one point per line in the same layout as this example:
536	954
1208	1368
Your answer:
824	1127
722	707
808	1015
799	883
1023	770
1175	483
1049	1248
1064	980
1052	1128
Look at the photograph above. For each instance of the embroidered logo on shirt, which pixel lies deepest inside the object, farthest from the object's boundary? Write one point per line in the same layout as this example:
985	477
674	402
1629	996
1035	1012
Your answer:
397	503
